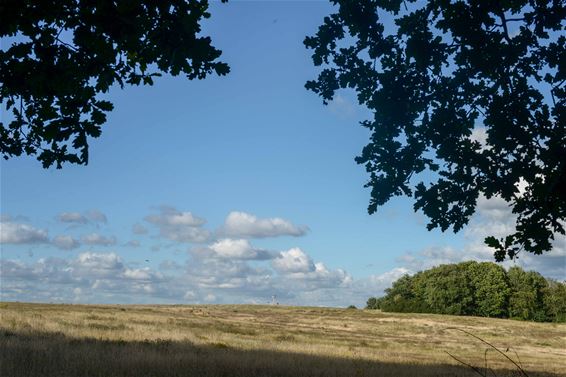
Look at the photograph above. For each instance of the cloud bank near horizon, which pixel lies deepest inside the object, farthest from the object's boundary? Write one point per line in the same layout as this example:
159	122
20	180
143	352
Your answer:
194	263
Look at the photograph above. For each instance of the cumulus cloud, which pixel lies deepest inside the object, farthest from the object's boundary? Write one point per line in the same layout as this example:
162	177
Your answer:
297	265
387	278
77	218
17	233
72	217
133	243
99	240
230	281
430	257
171	217
234	279
189	296
14	269
323	277
293	260
140	274
236	249
242	224
493	217
179	226
106	277
97	264
89	277
231	269
352	291
494	209
65	242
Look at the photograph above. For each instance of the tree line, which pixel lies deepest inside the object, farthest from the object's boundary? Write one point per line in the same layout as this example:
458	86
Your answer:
477	289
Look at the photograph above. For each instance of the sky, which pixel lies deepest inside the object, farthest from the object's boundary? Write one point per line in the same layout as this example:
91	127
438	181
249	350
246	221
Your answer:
231	189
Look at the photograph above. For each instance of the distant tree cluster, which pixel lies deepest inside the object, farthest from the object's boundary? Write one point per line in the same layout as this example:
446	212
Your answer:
480	289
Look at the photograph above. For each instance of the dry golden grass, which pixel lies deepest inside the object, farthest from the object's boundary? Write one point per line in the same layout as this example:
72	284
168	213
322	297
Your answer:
253	341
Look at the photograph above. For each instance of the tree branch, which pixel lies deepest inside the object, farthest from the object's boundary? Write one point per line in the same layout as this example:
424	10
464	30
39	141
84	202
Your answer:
504	24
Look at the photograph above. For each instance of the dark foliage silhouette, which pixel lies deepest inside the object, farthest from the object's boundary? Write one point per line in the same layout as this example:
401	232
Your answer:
63	55
444	74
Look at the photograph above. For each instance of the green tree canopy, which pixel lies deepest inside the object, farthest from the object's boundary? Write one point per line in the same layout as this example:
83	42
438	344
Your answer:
554	299
65	53
482	289
527	291
490	289
444	74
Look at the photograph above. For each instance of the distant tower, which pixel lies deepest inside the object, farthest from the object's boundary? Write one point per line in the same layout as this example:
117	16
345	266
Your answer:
274	300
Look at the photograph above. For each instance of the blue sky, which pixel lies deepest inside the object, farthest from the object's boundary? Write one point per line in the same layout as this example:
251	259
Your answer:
254	144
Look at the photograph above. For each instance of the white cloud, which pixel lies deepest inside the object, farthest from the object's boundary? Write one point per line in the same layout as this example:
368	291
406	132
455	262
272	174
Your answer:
351	291
139	273
232	270
213	273
14	269
133	243
238	249
97	239
493	217
97	265
77	218
433	256
72	217
171	217
186	234
179	226
479	135
494	209
210	298
189	295
65	242
242	224
342	106
385	279
292	261
522	185
90	277
325	277
16	233
105	277
308	275
110	266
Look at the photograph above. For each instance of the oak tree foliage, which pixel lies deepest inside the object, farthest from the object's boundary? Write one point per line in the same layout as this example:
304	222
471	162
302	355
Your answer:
468	99
58	57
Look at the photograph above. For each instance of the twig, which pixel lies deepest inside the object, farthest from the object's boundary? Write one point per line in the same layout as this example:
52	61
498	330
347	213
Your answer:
504	24
466	364
486	367
493	347
517	355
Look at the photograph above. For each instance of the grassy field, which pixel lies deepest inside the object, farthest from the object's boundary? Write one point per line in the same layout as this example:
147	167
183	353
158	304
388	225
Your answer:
266	341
